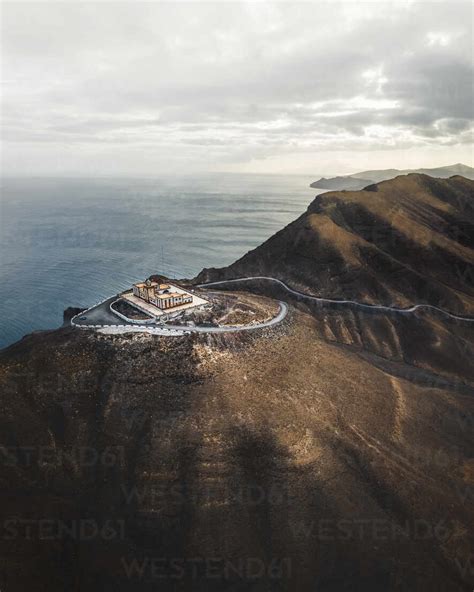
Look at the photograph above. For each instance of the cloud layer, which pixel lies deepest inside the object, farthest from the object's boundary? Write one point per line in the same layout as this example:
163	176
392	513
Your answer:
131	88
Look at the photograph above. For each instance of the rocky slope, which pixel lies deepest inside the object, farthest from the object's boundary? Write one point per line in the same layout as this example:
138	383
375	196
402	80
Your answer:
403	241
280	460
333	452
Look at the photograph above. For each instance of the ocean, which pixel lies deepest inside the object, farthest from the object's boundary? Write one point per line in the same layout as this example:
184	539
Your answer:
73	242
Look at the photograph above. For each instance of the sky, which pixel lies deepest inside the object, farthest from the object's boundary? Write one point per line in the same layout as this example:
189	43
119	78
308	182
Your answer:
133	88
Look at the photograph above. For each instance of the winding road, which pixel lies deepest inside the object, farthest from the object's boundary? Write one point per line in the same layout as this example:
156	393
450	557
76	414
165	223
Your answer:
351	303
100	318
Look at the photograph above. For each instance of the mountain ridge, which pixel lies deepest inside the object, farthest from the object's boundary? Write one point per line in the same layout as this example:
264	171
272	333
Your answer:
360	180
403	241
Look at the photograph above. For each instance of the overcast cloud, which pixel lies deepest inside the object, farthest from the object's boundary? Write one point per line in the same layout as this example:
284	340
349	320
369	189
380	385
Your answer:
132	88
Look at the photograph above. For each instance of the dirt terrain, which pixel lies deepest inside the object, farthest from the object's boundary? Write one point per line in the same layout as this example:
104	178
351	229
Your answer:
230	309
295	452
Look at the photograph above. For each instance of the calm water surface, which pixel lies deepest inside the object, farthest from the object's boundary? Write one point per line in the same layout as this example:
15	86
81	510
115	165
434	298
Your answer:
72	242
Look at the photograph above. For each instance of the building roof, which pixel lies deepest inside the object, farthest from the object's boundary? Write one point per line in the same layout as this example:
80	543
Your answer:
172	295
145	285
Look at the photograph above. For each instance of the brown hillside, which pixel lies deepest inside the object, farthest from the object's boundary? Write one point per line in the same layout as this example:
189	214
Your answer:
321	465
403	241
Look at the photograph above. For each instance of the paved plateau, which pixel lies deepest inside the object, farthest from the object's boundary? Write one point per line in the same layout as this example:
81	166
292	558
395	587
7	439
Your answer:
100	318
